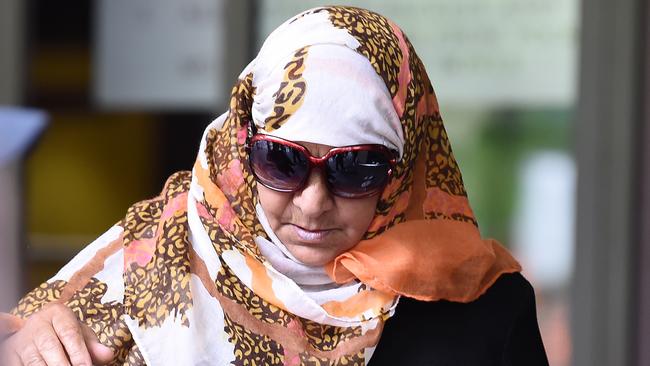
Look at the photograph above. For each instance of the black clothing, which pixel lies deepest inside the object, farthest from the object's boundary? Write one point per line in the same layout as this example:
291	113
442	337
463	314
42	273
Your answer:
499	328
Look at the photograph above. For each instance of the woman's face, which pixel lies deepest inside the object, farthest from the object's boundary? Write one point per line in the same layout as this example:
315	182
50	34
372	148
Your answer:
312	223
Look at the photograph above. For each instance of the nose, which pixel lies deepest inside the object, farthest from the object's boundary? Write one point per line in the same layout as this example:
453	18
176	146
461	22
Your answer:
315	198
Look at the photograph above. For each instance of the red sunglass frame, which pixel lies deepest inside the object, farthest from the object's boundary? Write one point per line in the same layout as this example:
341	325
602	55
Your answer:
320	161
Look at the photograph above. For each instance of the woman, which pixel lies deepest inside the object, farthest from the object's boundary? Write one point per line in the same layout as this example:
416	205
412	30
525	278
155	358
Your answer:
324	222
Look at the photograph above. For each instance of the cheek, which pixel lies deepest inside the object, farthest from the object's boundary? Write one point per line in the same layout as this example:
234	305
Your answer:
274	204
357	214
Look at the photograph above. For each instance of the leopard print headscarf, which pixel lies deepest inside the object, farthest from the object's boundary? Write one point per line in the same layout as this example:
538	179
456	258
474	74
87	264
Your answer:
181	281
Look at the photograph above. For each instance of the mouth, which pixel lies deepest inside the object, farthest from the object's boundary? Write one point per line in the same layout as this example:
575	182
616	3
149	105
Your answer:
314	235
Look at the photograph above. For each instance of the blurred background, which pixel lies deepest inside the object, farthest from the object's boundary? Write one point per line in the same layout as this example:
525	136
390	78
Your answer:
544	101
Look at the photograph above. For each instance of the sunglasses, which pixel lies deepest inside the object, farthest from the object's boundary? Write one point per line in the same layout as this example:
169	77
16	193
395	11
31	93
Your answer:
352	171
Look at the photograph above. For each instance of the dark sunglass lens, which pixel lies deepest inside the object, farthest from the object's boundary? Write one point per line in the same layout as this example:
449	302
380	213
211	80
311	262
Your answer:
278	166
357	173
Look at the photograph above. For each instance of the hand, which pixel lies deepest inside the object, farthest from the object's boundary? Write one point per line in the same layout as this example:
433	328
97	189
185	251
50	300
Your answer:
54	336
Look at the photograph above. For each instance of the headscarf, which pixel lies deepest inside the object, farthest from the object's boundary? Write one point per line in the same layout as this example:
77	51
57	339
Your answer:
190	276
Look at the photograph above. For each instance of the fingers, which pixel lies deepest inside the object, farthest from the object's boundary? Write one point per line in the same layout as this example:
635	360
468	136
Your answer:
49	347
9	358
68	330
99	353
54	336
31	356
9	324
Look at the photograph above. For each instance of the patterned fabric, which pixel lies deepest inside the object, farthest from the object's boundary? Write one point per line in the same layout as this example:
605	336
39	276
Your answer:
181	280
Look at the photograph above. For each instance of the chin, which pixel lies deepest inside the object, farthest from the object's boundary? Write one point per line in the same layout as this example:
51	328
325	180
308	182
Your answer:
312	257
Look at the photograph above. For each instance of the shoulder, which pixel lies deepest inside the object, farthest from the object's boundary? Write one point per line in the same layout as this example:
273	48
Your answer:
509	294
473	333
510	290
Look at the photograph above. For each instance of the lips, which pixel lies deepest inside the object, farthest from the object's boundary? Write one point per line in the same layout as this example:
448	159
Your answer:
311	235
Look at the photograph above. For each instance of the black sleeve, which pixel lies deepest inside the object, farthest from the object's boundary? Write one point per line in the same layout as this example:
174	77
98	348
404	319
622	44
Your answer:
523	344
497	329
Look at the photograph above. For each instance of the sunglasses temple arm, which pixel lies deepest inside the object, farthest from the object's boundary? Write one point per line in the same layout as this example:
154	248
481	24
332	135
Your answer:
252	130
